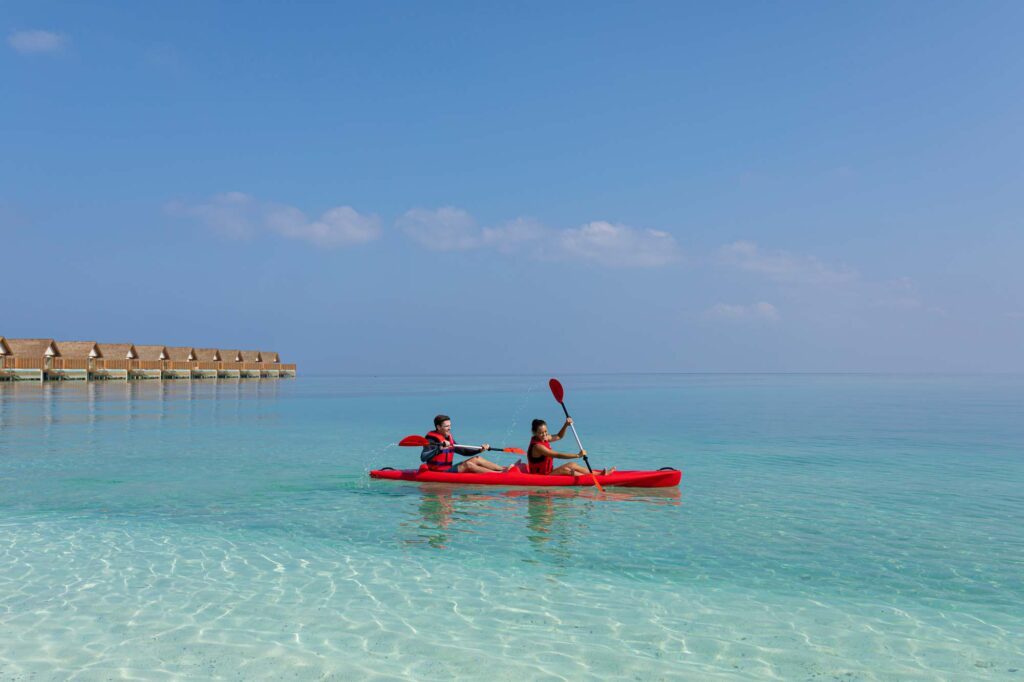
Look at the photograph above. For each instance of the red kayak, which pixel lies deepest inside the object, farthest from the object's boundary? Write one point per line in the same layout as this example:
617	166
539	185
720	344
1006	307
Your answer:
662	478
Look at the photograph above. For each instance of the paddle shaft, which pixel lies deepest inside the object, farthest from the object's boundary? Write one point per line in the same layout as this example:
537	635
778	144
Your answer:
577	436
514	451
421	442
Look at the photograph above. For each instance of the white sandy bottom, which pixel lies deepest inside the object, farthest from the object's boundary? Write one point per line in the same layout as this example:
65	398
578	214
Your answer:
89	600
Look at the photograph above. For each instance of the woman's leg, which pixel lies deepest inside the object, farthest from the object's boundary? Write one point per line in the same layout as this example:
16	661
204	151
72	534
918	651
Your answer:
575	469
570	469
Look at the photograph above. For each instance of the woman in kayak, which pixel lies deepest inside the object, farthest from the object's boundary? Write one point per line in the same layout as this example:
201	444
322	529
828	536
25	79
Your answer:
541	457
439	454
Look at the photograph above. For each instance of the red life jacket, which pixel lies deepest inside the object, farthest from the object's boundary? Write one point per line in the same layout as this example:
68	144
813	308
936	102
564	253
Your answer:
442	461
541	464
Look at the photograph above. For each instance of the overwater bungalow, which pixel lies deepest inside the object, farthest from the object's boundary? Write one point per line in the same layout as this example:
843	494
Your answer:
179	363
28	359
271	363
287	368
251	366
74	361
207	363
115	361
230	364
149	363
46	359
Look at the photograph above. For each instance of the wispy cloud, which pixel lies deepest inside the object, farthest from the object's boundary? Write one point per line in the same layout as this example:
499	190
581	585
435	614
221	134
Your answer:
454	229
755	311
36	42
240	216
441	229
619	245
782	266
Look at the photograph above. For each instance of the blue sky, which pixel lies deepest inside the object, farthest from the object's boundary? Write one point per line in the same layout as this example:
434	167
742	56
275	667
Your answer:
526	187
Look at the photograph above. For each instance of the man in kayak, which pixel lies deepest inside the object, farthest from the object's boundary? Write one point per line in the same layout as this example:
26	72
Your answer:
439	455
540	456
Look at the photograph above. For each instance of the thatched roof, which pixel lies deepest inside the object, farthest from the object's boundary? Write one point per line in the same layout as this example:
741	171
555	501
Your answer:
179	353
230	355
207	354
250	355
4	348
32	348
269	356
118	351
78	349
151	352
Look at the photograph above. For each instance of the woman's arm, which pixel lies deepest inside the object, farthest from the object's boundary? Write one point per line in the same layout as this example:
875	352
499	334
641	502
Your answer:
561	432
545	451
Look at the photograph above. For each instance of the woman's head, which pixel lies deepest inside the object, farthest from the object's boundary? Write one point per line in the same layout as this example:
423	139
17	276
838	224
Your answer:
539	428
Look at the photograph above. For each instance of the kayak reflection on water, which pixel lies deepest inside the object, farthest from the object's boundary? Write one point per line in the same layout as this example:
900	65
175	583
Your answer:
444	512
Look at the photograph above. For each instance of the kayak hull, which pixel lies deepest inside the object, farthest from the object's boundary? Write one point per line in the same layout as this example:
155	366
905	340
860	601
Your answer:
664	478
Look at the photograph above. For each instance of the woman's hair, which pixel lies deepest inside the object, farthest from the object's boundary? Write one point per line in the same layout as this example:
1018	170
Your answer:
537	423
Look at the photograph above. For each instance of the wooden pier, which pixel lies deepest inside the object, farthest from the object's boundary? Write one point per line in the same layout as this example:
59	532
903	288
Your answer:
50	360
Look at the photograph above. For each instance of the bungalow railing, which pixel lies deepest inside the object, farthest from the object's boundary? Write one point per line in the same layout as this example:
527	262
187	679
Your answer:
44	363
70	363
112	364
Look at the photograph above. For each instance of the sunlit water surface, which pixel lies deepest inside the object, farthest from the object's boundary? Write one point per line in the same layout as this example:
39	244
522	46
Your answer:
827	527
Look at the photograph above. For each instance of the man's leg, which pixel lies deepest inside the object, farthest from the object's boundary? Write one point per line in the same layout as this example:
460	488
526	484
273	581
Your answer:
479	465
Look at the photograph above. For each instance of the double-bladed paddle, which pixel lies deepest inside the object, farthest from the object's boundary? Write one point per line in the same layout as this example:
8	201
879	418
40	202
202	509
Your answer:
422	442
556	390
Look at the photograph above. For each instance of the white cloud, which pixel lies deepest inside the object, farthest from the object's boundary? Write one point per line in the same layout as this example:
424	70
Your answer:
782	266
755	311
240	216
453	229
233	214
515	235
443	229
340	226
36	42
619	245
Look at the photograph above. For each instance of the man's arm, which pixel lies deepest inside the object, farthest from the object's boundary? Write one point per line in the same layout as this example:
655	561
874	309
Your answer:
467	450
430	450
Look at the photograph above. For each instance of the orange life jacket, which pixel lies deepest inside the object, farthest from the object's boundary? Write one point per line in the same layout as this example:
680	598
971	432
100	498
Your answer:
541	464
442	461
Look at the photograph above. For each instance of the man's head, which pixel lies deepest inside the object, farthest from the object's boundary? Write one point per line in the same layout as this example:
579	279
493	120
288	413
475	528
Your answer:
443	424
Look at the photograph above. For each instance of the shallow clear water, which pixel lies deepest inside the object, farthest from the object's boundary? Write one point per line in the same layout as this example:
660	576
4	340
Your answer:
827	527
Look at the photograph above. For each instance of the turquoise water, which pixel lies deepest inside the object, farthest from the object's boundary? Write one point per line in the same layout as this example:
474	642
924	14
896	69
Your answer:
827	527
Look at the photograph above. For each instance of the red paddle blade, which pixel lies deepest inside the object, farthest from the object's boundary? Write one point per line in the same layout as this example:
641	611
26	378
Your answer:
417	441
556	389
515	451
